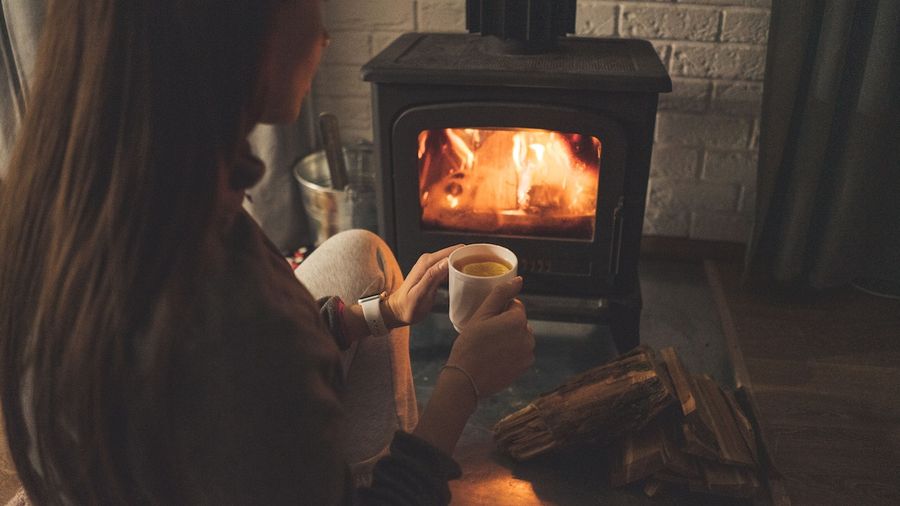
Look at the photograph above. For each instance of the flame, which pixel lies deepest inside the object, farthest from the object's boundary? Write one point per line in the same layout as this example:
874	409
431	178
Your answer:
509	181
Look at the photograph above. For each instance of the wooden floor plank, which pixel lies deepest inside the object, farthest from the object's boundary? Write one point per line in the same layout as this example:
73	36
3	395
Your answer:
825	372
826	489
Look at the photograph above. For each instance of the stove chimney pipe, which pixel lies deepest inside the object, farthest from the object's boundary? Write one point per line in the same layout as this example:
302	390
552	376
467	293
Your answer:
522	26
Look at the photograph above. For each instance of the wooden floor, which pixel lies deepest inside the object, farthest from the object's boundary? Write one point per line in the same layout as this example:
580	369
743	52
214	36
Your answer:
825	373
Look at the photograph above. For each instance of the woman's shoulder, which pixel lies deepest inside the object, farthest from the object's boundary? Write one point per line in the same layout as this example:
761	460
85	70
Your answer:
249	303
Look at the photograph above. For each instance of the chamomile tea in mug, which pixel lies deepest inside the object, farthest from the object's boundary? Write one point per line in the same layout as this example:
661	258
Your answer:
475	270
484	266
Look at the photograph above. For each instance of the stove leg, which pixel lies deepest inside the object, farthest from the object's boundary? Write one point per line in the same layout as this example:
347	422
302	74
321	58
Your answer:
624	325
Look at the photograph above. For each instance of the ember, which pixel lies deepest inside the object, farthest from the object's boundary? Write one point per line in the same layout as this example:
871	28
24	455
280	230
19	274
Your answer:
509	181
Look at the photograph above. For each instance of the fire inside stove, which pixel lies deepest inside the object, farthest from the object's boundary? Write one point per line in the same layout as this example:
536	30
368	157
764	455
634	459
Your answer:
503	181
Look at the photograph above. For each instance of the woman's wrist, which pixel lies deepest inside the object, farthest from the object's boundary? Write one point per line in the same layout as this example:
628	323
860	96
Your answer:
354	320
452	403
472	384
460	386
389	314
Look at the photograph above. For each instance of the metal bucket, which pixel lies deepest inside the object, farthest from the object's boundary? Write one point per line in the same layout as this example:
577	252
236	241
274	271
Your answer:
330	211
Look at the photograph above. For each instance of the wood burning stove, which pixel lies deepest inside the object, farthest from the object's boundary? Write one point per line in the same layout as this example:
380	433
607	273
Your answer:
523	137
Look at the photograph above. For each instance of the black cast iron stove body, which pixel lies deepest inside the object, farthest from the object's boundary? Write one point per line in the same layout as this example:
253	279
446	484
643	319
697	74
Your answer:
444	102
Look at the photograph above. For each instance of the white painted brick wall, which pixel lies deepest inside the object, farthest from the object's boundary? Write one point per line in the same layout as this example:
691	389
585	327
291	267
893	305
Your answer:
703	175
675	162
441	16
596	19
739	25
650	21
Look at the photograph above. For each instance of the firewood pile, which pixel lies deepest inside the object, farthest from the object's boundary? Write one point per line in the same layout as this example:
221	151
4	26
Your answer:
659	424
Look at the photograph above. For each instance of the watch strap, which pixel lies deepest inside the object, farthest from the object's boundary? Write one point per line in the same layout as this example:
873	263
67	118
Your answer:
371	308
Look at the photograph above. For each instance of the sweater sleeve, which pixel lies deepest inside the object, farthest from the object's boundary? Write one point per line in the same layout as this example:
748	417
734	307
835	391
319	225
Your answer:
414	474
331	309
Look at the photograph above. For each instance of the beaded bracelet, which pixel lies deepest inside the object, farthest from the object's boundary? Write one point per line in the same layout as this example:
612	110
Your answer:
467	375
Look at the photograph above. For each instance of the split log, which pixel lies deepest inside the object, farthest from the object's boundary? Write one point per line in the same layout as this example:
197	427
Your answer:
676	460
743	424
681	380
696	445
697	427
638	456
732	445
652	487
597	406
654	449
727	480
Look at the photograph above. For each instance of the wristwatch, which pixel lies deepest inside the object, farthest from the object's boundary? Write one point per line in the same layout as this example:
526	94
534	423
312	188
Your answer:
371	308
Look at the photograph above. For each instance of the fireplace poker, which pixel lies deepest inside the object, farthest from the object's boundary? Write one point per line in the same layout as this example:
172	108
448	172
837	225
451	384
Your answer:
331	138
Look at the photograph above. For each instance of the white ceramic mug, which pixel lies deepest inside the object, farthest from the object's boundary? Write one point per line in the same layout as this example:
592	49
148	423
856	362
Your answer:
467	292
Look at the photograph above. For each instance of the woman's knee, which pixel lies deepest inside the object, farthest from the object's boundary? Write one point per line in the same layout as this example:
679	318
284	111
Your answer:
368	249
357	241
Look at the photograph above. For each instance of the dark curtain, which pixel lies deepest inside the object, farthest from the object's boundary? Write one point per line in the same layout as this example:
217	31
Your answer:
828	205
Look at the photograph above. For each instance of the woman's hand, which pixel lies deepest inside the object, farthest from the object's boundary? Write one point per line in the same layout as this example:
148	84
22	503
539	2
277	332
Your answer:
413	300
497	344
495	348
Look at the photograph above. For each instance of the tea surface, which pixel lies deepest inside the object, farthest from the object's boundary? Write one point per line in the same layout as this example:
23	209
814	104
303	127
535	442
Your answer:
485	266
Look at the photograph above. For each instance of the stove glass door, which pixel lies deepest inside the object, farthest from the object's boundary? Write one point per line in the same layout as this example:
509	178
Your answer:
509	181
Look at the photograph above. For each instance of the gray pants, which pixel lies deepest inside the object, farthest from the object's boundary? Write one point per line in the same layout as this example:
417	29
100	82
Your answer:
379	397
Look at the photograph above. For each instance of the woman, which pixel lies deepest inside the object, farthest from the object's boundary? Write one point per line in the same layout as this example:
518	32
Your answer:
155	346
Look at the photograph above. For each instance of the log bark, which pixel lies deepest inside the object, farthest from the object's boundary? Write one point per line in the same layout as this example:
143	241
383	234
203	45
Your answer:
597	406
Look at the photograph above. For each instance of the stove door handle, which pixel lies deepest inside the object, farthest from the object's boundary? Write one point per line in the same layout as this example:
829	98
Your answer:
615	245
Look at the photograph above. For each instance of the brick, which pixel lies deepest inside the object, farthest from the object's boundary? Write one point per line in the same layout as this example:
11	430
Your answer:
739	3
739	25
674	162
354	113
667	222
703	130
664	51
725	60
369	15
693	195
381	40
340	81
737	97
687	95
730	166
669	22
441	15
348	48
720	227
595	19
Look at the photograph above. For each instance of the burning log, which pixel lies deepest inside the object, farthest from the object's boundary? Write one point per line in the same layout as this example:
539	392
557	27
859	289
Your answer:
509	181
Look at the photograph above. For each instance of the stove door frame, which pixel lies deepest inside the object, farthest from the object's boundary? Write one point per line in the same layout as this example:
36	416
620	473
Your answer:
549	264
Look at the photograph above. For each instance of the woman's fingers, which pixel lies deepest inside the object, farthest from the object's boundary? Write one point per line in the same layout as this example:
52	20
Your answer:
429	282
436	274
499	299
424	292
497	345
427	261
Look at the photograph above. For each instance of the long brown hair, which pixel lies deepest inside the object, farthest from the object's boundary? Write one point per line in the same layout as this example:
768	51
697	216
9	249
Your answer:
110	196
